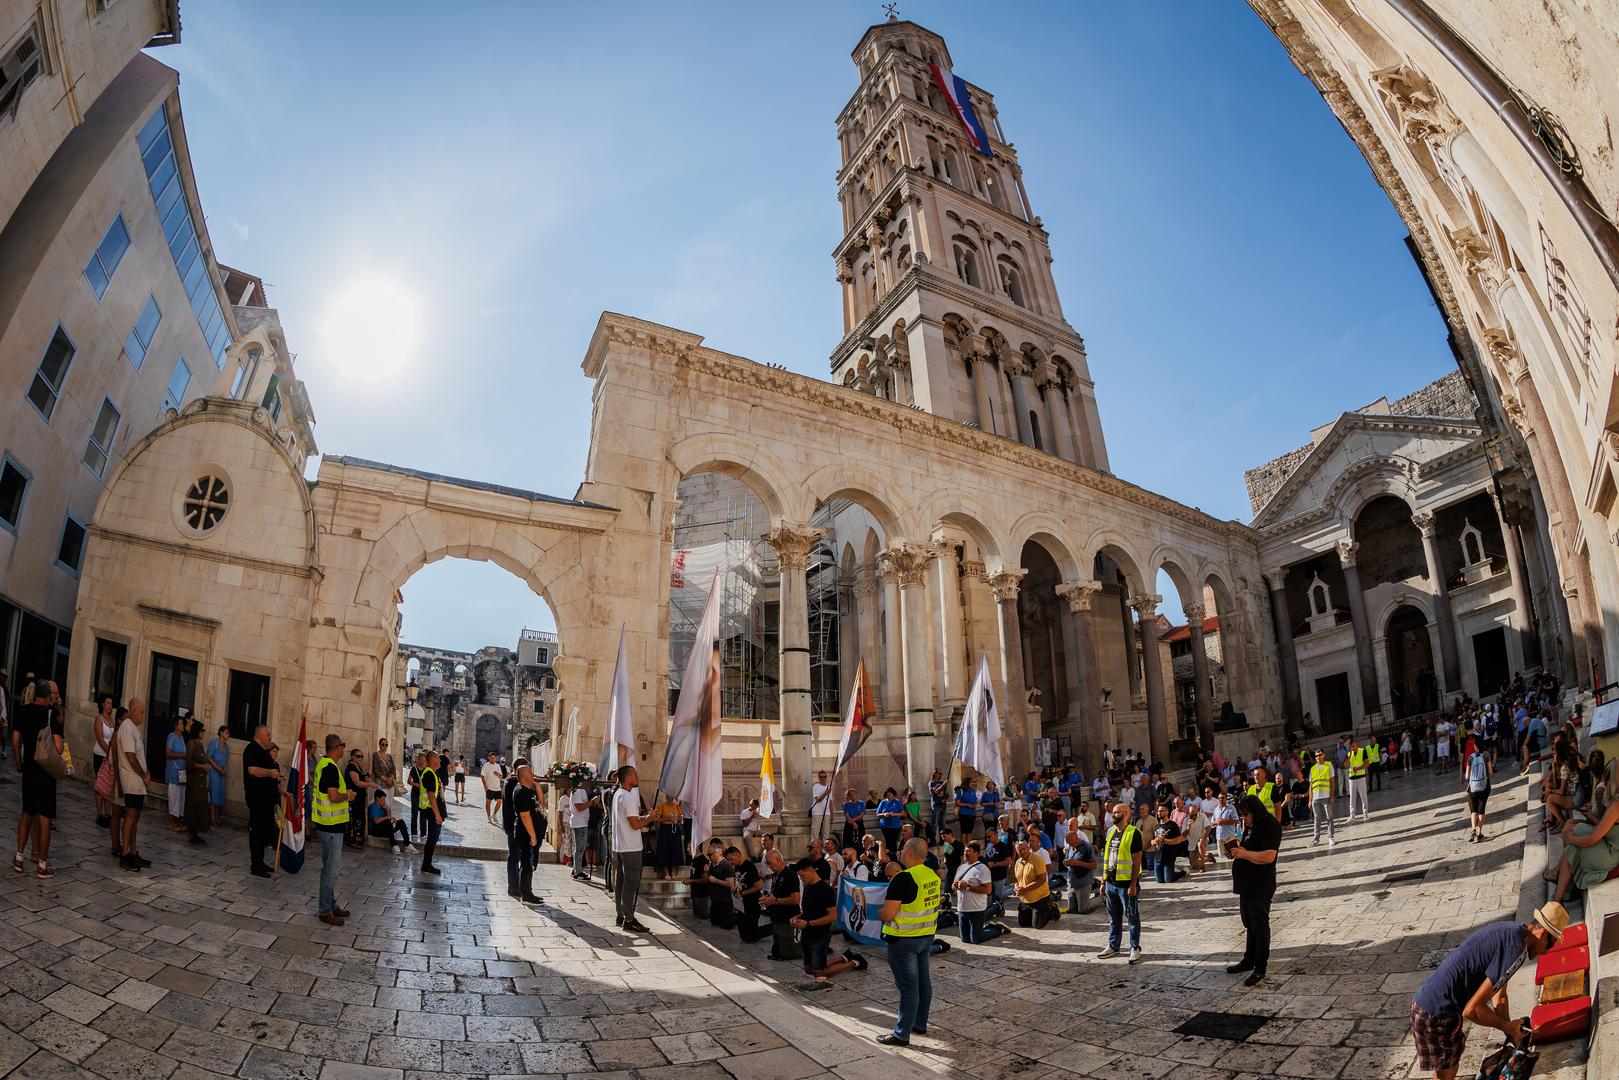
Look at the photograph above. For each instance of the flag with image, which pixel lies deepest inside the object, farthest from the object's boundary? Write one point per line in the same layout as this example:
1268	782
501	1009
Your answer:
978	745
693	768
291	855
857	726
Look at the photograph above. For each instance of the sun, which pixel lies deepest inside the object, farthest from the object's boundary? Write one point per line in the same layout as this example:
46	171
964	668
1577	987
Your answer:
371	329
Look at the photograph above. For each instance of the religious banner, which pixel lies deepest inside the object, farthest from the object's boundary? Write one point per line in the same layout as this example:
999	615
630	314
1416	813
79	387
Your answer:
858	905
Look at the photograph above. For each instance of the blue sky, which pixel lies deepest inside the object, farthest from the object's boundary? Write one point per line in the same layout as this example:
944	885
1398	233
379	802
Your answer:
511	170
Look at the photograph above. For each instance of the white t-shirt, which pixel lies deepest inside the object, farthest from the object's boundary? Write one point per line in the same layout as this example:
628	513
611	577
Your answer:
130	741
492	776
835	861
750	822
819	800
973	874
1043	855
626	804
581	809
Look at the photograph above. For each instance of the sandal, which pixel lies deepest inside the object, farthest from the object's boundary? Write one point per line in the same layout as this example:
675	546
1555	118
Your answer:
859	961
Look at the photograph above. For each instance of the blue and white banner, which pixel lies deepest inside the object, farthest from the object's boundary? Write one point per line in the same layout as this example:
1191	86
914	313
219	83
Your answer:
858	905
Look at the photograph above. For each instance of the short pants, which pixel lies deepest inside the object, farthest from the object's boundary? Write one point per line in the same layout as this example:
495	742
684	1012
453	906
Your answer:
1440	1039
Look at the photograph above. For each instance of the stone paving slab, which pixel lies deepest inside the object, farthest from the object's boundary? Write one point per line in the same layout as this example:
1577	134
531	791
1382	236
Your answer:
194	968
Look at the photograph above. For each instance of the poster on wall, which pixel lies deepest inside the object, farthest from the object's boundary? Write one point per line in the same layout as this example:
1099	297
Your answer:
858	905
1605	719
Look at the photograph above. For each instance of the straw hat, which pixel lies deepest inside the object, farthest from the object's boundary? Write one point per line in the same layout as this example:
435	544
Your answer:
1553	917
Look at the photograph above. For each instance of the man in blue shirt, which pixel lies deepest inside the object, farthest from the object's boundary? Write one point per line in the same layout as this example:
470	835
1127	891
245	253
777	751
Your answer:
890	813
967	807
989	805
1471	984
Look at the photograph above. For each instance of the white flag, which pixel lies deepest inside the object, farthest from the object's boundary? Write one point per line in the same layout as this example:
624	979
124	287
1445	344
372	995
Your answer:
693	766
979	743
618	741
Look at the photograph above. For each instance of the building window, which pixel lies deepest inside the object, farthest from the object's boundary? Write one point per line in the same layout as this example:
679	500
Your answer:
108	676
544	656
140	338
70	552
175	396
99	448
47	384
19	66
104	262
206	501
248	705
272	397
174	211
13	489
539	706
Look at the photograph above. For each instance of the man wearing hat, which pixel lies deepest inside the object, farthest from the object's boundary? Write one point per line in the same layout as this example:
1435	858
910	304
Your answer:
1471	984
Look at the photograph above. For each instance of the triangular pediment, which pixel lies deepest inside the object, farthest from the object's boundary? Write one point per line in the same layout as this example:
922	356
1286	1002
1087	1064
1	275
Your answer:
1358	446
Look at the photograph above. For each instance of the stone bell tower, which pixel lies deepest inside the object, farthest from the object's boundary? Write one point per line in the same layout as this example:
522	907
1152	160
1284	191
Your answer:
948	299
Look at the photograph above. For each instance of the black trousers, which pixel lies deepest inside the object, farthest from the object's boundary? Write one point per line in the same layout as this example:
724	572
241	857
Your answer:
1255	910
432	827
260	832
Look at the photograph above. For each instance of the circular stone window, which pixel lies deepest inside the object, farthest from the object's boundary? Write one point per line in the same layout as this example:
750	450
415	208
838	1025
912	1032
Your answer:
205	503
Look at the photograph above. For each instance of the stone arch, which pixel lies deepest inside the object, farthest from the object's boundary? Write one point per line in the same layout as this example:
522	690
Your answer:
859	485
746	461
1046	530
1369	479
971	517
486	738
1176	565
1109	542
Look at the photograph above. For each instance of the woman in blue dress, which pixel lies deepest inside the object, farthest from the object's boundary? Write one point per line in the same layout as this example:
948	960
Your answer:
219	759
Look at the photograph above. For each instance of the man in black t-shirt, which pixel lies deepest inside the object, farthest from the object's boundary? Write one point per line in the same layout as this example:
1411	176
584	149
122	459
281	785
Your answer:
261	786
721	913
1253	879
522	804
817	911
998	857
508	821
746	885
780	903
38	786
1171	846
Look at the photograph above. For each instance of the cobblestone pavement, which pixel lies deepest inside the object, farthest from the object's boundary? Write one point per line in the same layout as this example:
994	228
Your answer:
194	968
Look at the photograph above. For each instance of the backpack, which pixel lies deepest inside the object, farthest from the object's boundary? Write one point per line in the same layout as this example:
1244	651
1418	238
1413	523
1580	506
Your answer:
1478	772
46	755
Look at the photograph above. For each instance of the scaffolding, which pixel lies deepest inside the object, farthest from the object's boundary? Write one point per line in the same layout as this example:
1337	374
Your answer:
828	595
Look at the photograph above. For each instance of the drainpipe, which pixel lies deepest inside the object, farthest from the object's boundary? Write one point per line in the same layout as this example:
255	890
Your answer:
1577	198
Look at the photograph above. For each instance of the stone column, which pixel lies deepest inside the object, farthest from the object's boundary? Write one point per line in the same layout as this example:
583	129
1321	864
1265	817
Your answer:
1018	754
1444	621
1370	700
792	542
983	373
1081	430
944	584
893	684
1153	674
908	565
1523	620
1060	442
1200	672
1292	707
1018	371
866	588
1079	595
1132	666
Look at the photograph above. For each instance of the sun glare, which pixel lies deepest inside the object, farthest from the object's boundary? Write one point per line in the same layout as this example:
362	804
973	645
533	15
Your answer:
371	329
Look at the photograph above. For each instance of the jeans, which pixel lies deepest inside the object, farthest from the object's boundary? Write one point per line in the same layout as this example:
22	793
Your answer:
627	888
908	960
1122	906
1321	810
1376	769
433	827
581	844
1255	911
1165	872
331	855
971	925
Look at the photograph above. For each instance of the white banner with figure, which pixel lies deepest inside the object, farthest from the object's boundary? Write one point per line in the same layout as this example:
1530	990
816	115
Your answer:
858	905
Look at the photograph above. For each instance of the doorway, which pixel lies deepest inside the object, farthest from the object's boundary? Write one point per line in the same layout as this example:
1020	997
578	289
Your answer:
1490	660
1413	683
174	689
1332	703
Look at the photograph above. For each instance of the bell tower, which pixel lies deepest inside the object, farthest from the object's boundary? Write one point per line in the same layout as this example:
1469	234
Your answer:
948	299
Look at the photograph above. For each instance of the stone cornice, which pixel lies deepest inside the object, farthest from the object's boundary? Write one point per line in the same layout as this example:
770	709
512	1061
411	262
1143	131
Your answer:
184	549
681	347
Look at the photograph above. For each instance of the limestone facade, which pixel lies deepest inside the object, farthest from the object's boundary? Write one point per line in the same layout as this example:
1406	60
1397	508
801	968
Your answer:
1490	127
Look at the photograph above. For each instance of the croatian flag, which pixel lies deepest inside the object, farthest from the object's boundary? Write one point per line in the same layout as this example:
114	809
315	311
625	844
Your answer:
955	91
292	827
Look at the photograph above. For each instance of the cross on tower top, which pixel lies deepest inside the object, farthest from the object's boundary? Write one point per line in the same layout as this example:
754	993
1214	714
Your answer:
893	12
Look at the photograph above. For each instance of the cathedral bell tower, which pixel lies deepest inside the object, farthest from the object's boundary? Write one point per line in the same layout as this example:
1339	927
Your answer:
948	299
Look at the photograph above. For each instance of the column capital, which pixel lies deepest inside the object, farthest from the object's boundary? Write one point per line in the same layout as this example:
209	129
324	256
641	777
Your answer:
1005	584
1147	605
1195	613
865	581
792	542
974	568
941	547
1348	552
1079	594
1423	520
906	564
1276	580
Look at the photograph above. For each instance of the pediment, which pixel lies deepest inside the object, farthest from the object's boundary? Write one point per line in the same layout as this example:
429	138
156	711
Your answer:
1365	451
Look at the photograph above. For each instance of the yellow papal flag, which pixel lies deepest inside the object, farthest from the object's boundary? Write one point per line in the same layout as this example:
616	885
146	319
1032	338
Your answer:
767	783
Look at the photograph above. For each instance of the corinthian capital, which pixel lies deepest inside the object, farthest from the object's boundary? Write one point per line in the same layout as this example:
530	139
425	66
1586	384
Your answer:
1476	257
906	564
942	547
1195	614
792	542
1417	107
1276	580
1146	606
1005	583
1498	343
1079	594
1348	551
1423	520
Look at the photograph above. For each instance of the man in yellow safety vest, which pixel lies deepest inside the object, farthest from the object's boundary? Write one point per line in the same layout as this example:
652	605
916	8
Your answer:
430	801
1265	791
1121	874
910	915
330	814
1357	781
1320	797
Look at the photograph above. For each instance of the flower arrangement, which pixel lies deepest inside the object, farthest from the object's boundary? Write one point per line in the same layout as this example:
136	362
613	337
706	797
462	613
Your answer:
570	773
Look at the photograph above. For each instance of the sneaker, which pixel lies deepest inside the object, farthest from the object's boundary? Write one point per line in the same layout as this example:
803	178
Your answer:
431	870
16	862
1107	953
410	849
1135	956
530	898
43	871
1314	841
398	850
259	871
126	863
635	927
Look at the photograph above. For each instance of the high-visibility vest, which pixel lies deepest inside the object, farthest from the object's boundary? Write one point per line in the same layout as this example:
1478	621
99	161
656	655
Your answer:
1371	752
323	811
1321	779
427	792
1119	865
918	917
1267	794
1357	763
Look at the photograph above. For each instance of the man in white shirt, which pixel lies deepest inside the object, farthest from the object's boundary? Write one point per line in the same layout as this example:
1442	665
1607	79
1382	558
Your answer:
821	807
628	821
750	829
972	888
493	777
579	822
